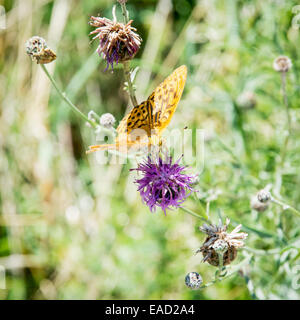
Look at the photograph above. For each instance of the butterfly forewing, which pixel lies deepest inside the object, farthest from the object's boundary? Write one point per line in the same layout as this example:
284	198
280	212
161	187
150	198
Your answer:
166	98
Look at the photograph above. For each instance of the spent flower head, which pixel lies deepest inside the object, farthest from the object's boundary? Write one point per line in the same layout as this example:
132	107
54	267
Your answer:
219	241
163	183
118	42
37	49
282	64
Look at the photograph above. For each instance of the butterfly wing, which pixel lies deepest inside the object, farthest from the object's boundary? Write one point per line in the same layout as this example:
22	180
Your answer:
136	122
156	112
166	97
153	114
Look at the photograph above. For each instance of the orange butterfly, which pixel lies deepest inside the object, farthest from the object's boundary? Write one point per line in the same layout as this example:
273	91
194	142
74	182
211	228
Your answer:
146	122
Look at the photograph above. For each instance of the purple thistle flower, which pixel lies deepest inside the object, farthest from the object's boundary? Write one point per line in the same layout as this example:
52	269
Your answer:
163	183
117	41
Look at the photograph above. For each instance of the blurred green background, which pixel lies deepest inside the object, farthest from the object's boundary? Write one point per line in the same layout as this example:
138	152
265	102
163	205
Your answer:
73	229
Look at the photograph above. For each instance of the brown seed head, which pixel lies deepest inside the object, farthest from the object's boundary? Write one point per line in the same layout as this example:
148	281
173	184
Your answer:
220	241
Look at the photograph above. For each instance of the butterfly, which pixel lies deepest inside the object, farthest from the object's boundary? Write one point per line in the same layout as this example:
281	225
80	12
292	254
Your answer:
145	123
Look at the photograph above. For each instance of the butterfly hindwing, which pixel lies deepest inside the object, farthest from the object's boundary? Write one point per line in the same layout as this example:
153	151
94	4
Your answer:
135	123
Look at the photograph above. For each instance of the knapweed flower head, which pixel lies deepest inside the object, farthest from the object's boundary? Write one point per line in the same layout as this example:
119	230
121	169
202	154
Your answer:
282	64
219	241
118	42
37	49
163	183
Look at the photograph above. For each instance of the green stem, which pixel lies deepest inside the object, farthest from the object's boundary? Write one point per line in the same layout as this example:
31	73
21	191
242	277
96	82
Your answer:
286	206
288	117
194	214
233	271
278	181
124	12
126	64
220	267
66	99
132	96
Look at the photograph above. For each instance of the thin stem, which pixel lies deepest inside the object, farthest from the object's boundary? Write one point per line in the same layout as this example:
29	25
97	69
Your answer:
234	270
66	99
124	12
286	206
278	181
288	116
129	83
114	13
220	267
126	64
207	210
193	214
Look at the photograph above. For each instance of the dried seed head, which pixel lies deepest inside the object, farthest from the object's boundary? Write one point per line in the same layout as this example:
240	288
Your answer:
220	241
117	42
193	280
246	100
107	120
37	49
282	64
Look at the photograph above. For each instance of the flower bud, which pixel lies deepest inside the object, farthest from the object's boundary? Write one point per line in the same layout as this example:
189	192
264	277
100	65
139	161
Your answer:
193	280
264	196
107	120
261	201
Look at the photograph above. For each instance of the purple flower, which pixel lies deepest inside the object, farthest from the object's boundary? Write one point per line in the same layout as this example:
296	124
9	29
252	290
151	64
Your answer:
163	183
117	41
